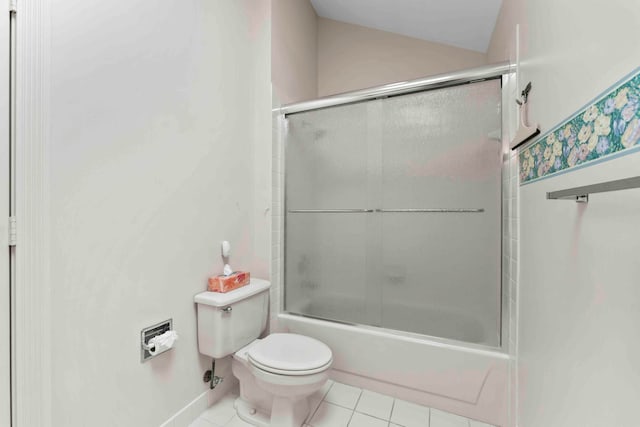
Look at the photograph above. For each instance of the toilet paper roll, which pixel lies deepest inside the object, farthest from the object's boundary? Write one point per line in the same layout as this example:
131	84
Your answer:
162	343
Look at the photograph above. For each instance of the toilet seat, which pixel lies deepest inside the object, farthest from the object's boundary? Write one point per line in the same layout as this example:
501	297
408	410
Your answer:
290	354
272	370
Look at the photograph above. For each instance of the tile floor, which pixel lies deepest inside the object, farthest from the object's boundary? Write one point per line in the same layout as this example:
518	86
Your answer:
340	405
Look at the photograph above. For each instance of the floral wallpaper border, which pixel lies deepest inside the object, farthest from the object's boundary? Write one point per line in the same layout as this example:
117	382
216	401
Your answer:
606	126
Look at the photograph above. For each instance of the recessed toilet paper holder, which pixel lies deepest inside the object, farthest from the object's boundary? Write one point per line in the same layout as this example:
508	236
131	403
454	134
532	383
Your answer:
150	332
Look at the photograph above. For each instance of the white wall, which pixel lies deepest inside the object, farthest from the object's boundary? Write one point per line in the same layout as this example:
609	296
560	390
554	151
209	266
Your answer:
352	57
314	56
160	149
578	292
294	50
579	303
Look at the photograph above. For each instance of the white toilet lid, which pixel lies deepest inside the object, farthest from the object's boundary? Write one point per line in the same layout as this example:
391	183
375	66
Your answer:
290	352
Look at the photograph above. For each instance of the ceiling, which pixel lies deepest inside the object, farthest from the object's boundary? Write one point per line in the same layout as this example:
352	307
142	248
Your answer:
462	23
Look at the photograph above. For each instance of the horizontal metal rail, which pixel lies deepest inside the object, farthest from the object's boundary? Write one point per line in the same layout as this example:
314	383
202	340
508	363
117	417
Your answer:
330	210
445	210
454	78
439	210
581	194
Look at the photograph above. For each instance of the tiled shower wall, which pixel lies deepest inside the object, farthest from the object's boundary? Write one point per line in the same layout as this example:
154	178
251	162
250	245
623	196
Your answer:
510	271
510	236
277	239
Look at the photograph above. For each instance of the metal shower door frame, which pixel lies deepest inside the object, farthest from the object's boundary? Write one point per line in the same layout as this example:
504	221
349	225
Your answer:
456	78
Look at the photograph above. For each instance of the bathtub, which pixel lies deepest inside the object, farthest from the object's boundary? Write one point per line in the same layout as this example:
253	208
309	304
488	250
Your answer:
398	315
467	380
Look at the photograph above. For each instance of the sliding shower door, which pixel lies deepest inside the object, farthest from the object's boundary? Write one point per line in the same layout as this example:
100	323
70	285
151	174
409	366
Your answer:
328	226
441	213
393	213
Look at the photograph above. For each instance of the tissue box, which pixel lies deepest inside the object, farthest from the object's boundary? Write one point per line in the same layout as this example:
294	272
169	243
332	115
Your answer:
228	283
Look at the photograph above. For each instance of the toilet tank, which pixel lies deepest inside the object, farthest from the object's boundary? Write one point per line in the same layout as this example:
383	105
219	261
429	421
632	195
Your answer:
229	321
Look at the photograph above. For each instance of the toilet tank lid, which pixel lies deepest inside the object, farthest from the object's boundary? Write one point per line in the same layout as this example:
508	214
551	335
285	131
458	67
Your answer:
218	299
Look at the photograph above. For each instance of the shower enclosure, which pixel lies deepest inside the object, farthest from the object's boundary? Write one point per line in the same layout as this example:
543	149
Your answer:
393	212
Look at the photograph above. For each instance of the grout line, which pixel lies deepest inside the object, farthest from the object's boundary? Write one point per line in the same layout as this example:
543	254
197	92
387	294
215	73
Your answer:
354	408
327	392
308	420
372	416
340	406
393	406
321	400
350	418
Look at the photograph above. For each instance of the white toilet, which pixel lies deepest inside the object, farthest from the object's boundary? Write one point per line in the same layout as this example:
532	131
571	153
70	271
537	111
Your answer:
277	373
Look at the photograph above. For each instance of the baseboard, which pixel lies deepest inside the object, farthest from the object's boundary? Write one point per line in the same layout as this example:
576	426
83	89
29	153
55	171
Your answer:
197	406
190	412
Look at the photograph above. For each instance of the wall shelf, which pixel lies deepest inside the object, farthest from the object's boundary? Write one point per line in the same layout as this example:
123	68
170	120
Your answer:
581	194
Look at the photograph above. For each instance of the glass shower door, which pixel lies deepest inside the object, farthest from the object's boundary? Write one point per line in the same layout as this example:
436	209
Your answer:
393	213
441	213
328	222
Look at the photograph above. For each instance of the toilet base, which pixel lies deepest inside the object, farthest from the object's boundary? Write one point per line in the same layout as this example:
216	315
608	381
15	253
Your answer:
288	412
284	413
248	413
269	404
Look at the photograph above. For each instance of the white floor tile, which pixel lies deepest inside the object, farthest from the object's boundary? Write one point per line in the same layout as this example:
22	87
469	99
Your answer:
197	408
314	403
409	414
362	420
316	398
222	412
444	419
375	404
237	422
329	415
474	423
202	422
337	410
343	395
323	391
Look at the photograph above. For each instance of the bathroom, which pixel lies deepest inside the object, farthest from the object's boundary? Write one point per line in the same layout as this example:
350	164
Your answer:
477	289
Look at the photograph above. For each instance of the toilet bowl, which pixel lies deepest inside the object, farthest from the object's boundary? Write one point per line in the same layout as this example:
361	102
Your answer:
277	375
